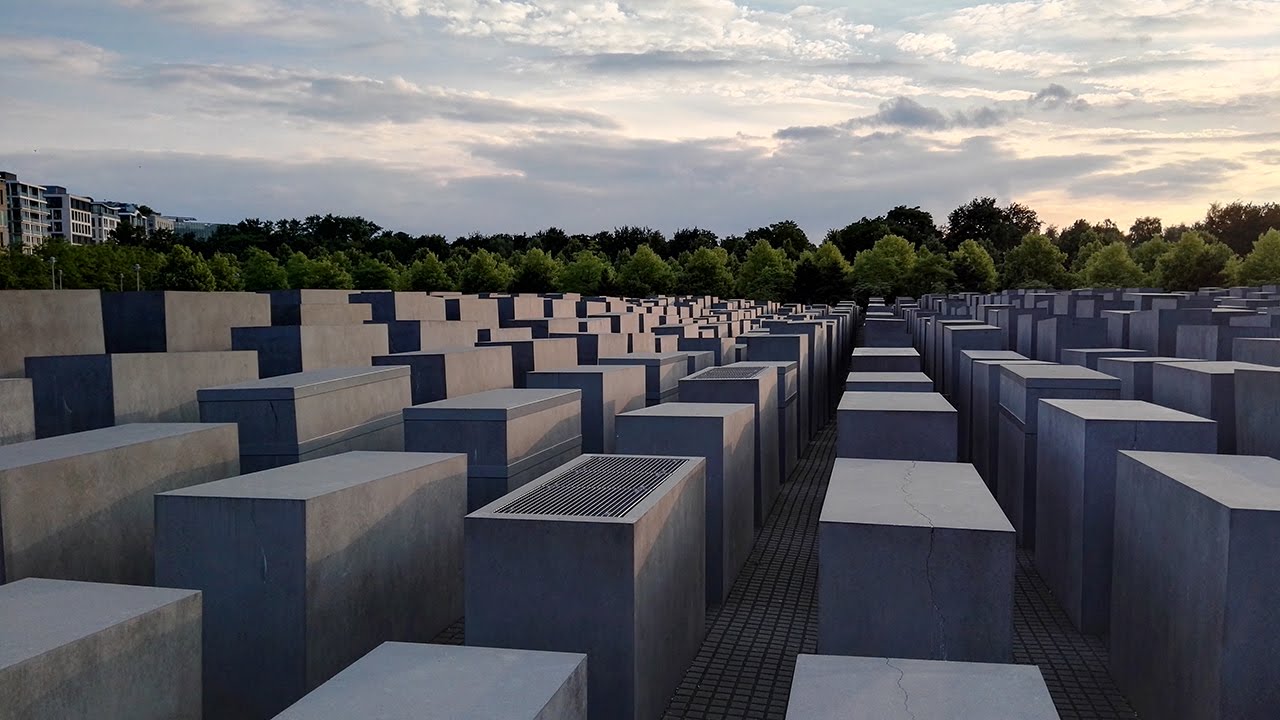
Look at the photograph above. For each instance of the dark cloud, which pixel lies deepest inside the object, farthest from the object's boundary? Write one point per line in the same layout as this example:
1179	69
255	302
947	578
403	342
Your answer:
808	132
1175	180
1149	139
1056	96
1267	157
651	61
342	98
903	112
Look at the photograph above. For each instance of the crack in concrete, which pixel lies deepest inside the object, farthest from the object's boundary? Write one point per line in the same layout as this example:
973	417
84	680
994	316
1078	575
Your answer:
906	698
928	564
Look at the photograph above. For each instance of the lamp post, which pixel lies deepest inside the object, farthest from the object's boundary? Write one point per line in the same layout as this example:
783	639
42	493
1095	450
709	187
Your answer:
137	276
53	273
60	284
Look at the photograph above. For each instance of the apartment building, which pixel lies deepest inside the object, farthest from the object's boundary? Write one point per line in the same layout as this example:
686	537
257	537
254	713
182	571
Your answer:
70	216
105	221
27	213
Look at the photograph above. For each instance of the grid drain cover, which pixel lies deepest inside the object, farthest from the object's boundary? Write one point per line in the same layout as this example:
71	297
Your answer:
603	486
731	373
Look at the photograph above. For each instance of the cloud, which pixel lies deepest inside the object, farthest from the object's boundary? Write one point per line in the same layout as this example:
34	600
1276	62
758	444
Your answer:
903	112
1267	157
1169	180
288	19
808	132
334	98
1056	96
53	54
930	45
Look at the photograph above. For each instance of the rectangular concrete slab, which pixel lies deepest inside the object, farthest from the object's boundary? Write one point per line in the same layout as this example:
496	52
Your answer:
155	321
1089	357
888	382
662	373
915	560
962	398
1258	411
453	372
607	391
17	411
1134	374
90	650
1206	389
48	322
295	349
896	426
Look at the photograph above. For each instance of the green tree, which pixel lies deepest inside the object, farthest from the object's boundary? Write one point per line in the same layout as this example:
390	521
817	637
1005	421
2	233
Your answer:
226	272
1143	229
1000	229
931	273
372	274
535	273
298	267
1194	262
588	274
1239	224
329	273
1035	263
706	272
1085	252
261	271
785	236
645	274
823	276
1262	265
427	274
1149	252
974	269
182	269
485	272
687	240
883	271
1111	266
766	274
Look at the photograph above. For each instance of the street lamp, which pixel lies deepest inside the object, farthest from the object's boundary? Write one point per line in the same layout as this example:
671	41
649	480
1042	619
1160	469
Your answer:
53	273
60	283
137	276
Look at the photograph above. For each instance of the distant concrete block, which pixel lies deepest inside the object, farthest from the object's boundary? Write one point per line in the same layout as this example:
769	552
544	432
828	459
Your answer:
866	359
700	360
74	393
310	415
301	348
1216	342
888	382
724	435
765	347
607	391
593	346
962	398
17	411
956	340
388	306
89	650
1134	374
540	354
1259	351
1075	495
915	561
896	426
788	412
406	681
1194	583
1206	389
79	507
510	437
662	373
885	332
440	374
305	568
48	322
1257	415
1055	334
565	564
860	688
1090	357
721	348
156	321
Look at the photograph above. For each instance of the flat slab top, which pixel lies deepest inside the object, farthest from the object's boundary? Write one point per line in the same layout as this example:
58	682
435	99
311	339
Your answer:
439	352
912	494
316	478
886	377
895	401
1053	375
506	403
976	355
1147	359
1123	411
828	687
586	370
789	366
1214	367
646	358
692	409
303	384
885	352
1239	482
38	615
1103	351
44	450
966	326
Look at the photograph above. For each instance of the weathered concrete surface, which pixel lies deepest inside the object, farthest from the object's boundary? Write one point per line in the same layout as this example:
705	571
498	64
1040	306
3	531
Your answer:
1257	411
662	373
1206	389
48	322
607	391
173	321
286	350
888	382
439	374
17	411
896	426
904	359
538	354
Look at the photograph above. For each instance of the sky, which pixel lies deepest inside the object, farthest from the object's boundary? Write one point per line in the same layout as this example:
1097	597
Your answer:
459	116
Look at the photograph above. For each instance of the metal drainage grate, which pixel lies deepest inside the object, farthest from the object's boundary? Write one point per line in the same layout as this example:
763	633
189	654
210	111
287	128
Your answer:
603	486
732	373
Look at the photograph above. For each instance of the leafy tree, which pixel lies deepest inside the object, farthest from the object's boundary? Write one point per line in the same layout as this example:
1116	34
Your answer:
1145	228
536	273
785	236
823	276
999	229
1262	265
766	274
329	273
1111	266
687	240
645	274
372	274
883	271
1085	252
706	272
226	272
628	239
427	274
858	236
1194	262
1035	263
932	273
914	224
260	271
182	269
974	269
1239	224
588	274
1075	236
298	267
1148	252
485	272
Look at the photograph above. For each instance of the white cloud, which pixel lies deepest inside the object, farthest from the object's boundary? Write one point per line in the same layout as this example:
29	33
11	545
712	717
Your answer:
56	54
929	45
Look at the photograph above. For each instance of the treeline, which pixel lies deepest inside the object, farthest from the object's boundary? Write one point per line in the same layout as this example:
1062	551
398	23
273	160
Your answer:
982	247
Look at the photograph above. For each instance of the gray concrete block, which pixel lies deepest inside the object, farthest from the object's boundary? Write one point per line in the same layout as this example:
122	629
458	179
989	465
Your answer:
301	348
758	387
1134	374
388	306
888	382
407	681
915	561
1075	496
865	359
1257	411
557	565
307	567
721	348
607	391
310	415
896	426
437	334
17	411
1194	584
1090	357
472	308
74	393
1215	342
78	507
724	435
820	378
48	322
1055	334
828	687
962	398
1022	387
885	332
1156	330
510	437
662	373
538	354
1118	333
771	347
90	650
593	346
956	339
170	321
935	357
454	372
788	412
320	313
1206	389
699	360
1259	351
